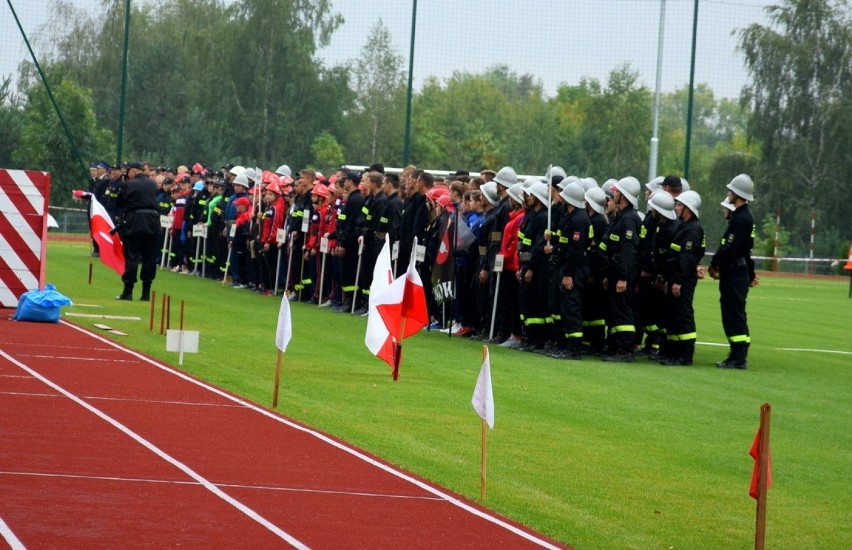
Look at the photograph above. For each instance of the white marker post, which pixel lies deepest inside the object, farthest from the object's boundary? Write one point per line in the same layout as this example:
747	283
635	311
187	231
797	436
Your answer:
182	341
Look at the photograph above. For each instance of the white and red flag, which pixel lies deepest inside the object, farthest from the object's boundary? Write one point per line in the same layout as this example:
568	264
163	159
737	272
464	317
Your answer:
378	338
109	244
402	307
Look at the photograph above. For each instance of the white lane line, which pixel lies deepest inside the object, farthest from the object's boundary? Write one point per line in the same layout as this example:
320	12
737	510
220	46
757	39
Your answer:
10	537
817	350
228	485
128	400
71	358
839	352
352	451
163	455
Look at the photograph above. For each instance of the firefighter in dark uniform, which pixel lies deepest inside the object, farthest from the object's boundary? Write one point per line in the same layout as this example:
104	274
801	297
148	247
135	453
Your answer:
662	207
595	297
733	267
350	221
572	240
681	274
301	211
140	230
111	192
413	218
485	266
165	202
532	274
505	178
374	231
389	222
646	305
620	245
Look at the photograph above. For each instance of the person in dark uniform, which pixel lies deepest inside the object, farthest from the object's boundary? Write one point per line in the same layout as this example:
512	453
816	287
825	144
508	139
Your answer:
532	274
681	274
620	246
732	266
572	240
350	222
594	297
139	230
297	228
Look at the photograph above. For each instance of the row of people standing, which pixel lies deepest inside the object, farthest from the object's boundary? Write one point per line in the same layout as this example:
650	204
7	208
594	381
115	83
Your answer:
580	270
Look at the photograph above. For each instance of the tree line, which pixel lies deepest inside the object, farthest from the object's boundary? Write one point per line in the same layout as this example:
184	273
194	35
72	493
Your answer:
243	84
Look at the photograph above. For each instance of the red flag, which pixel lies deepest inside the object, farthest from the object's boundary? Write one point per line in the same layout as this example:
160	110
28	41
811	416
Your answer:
755	473
109	244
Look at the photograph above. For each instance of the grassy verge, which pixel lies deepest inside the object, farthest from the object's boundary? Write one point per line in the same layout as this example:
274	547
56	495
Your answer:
596	455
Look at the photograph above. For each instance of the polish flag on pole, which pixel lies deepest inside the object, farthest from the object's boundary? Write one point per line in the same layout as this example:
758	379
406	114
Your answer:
109	244
402	307
378	338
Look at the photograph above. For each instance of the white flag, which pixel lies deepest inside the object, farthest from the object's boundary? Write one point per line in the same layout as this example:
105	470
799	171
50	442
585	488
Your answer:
483	396
285	328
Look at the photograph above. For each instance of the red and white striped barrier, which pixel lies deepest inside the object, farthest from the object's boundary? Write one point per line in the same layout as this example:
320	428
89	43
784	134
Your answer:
24	196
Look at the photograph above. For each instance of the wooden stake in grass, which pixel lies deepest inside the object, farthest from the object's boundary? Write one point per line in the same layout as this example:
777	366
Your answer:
163	315
283	334
168	312
763	474
277	377
180	325
90	271
153	306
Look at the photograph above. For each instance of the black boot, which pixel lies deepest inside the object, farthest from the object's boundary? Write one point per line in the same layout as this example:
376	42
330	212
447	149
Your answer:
127	293
146	291
737	358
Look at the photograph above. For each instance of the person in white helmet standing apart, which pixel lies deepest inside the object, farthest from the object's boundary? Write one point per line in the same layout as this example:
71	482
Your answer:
731	266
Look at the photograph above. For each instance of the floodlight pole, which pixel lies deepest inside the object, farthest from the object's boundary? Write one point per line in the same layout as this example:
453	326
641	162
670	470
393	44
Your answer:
655	141
406	150
691	93
123	91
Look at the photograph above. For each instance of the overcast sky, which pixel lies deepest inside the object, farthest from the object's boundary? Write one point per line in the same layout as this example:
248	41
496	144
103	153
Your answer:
554	40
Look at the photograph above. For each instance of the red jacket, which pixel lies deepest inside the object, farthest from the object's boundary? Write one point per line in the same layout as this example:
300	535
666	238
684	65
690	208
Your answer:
509	245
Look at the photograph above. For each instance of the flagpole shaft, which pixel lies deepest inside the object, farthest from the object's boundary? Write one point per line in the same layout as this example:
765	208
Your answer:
278	271
482	476
494	306
227	264
763	469
358	275
277	379
164	253
321	280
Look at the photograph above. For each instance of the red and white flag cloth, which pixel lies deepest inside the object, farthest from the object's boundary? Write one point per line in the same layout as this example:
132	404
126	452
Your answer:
109	244
284	332
483	396
378	338
402	305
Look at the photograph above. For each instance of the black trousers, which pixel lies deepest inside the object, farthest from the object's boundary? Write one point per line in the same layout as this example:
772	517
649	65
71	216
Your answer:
733	290
620	320
140	255
571	307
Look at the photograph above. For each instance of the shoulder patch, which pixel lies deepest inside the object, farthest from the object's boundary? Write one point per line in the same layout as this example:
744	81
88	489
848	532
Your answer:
576	236
730	238
688	245
628	234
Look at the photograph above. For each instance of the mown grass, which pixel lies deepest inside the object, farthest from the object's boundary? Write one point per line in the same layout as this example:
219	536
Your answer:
596	455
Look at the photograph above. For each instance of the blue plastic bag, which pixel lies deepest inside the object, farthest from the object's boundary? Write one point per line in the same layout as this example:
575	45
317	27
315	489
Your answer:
41	306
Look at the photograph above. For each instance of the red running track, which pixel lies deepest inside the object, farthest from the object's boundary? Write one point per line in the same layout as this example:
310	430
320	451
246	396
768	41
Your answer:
101	446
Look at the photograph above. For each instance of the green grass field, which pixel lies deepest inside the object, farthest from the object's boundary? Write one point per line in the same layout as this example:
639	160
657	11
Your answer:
594	454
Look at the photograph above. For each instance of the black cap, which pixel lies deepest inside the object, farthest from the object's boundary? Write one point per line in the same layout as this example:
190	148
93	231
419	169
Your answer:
672	181
354	177
137	165
556	179
377	167
460	173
